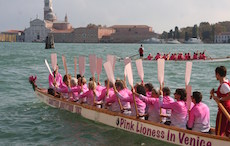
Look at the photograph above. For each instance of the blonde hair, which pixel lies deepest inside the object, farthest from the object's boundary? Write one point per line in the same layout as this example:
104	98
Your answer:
73	82
92	85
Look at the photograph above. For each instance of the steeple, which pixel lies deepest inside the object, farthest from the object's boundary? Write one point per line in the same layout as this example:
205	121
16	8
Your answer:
48	11
66	18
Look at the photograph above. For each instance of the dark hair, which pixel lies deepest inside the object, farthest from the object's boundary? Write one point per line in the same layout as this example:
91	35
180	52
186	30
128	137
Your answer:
92	79
110	83
221	70
182	93
141	90
166	91
149	86
119	83
78	76
197	96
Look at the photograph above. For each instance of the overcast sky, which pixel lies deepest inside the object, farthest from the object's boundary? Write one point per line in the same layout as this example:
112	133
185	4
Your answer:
161	15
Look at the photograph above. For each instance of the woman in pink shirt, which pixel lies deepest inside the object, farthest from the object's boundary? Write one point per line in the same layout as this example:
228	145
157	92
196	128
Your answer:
91	95
115	106
179	108
167	99
55	80
106	93
64	87
140	104
148	89
199	116
153	106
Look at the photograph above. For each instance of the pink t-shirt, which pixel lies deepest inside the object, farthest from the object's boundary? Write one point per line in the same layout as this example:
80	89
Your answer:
154	108
179	113
140	104
89	97
58	79
199	118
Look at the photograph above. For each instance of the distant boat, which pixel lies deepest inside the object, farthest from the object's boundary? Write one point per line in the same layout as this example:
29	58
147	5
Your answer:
173	41
49	42
152	41
193	41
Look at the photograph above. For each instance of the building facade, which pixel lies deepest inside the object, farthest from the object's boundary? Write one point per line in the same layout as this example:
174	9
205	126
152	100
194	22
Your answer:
92	34
12	36
222	38
131	33
38	31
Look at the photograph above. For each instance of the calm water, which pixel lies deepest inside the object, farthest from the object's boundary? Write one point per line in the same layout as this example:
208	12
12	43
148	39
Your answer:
24	120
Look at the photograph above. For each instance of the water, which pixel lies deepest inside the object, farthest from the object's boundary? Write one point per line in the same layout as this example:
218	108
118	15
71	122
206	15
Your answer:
26	121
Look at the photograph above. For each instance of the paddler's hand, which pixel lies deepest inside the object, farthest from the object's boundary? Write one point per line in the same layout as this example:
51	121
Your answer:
212	93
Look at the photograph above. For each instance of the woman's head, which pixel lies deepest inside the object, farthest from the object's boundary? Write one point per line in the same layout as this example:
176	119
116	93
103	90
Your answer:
73	82
197	97
148	87
221	71
119	85
155	93
180	94
66	78
140	89
92	85
166	91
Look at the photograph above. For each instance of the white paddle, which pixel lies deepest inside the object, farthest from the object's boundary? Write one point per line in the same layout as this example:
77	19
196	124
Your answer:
126	61
189	93
188	88
54	61
64	64
112	60
188	72
75	67
160	70
93	64
99	68
130	79
81	65
109	71
160	73
47	65
140	69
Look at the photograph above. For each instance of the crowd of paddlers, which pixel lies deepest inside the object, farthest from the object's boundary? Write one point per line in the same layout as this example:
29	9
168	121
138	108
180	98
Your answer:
178	56
143	100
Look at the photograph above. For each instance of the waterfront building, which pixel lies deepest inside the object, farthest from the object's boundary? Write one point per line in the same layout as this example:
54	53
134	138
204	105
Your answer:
12	36
222	38
91	34
131	33
38	30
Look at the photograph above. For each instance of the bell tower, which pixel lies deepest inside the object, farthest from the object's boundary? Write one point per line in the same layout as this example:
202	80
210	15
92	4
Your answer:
48	11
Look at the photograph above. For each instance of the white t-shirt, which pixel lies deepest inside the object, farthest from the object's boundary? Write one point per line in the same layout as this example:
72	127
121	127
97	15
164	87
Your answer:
224	89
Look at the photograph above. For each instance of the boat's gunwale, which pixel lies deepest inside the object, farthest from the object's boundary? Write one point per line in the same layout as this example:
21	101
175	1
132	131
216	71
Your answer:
39	90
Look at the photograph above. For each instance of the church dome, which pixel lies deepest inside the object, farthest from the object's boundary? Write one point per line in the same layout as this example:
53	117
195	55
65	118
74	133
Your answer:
51	16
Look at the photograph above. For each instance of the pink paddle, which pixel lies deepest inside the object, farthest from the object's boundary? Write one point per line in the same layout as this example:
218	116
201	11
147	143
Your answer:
99	68
109	71
48	67
160	70
64	64
189	93
75	67
127	60
54	61
188	72
130	79
112	60
140	69
93	64
81	65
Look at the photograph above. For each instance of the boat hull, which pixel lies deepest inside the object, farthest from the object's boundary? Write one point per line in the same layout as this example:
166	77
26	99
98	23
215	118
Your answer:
157	131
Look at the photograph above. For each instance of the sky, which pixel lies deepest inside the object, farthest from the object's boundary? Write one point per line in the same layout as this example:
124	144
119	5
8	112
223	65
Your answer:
161	15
